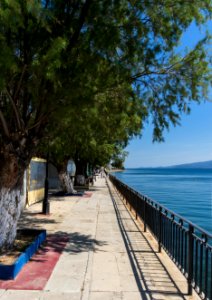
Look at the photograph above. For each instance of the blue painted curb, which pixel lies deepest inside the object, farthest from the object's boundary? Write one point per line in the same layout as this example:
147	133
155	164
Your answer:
11	271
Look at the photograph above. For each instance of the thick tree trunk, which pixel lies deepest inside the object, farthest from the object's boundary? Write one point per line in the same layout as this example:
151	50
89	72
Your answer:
11	179
66	183
65	180
10	210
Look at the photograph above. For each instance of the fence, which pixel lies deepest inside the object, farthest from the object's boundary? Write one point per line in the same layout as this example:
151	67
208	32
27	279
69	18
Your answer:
188	245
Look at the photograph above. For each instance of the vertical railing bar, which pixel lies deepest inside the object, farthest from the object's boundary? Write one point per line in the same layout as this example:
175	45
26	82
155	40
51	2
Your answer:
162	229
201	263
170	235
163	226
190	258
182	247
145	205
177	244
172	244
185	253
167	230
206	269
174	241
159	229
196	261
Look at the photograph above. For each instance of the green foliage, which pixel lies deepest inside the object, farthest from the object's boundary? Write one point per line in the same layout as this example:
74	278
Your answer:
118	158
89	74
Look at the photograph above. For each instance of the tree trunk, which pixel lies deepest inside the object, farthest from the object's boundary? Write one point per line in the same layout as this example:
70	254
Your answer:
10	210
65	180
11	179
66	183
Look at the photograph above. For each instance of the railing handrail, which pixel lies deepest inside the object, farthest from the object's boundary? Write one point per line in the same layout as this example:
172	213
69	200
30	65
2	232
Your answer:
205	232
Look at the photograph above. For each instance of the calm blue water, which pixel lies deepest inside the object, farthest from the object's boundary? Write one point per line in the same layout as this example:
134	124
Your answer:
187	192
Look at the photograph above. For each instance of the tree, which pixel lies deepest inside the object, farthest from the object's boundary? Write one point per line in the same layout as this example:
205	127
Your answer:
87	132
58	54
32	42
117	160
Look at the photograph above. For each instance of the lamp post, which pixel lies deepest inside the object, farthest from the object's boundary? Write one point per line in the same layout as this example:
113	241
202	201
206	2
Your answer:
46	205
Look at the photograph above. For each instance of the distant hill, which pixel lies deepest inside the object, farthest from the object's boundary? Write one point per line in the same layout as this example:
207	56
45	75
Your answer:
195	165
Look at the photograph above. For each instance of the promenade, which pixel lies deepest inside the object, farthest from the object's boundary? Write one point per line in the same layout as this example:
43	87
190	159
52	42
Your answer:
106	254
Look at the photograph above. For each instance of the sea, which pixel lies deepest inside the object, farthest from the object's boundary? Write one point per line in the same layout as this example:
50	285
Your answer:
187	192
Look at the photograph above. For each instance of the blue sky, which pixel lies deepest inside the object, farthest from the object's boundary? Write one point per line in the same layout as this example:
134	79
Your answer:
190	142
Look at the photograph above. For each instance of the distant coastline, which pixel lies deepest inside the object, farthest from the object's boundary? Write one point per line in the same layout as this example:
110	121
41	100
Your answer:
116	170
194	165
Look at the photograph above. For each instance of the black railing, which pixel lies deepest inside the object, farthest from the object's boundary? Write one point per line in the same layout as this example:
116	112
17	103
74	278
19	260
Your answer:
188	245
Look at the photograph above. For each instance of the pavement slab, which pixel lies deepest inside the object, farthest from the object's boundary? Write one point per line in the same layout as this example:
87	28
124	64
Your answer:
21	295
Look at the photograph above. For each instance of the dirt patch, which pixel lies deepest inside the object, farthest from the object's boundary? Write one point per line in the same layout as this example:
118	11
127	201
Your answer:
8	257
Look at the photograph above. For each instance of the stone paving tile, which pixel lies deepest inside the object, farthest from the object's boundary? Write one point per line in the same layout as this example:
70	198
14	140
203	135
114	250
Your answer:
105	275
2	292
102	295
60	296
21	295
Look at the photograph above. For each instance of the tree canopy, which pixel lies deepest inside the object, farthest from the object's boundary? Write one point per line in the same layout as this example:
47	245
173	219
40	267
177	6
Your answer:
88	74
57	57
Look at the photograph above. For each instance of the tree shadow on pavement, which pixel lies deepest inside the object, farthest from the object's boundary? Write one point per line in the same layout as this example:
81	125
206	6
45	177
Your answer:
73	243
35	220
82	243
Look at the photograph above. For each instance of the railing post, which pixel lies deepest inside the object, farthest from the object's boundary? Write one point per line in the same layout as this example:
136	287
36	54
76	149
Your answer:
144	214
136	209
130	199
190	258
159	229
206	267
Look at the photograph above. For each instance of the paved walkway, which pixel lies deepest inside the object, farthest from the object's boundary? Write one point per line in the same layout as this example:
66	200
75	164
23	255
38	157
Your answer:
107	257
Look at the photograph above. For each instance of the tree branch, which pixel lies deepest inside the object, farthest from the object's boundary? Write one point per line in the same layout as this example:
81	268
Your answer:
83	14
164	71
40	120
4	124
20	81
17	115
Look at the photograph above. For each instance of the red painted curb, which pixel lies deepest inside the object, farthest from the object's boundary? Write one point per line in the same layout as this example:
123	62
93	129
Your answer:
87	194
37	271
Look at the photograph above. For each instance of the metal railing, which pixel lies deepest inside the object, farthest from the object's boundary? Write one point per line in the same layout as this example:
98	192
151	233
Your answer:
189	246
